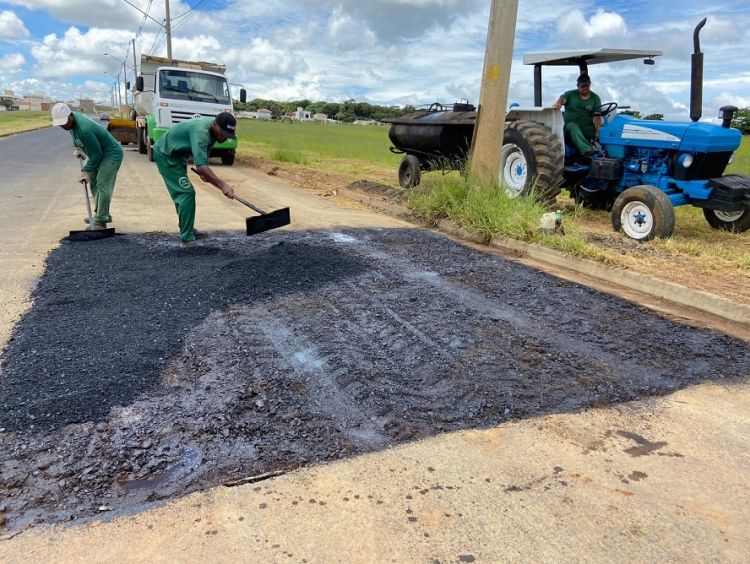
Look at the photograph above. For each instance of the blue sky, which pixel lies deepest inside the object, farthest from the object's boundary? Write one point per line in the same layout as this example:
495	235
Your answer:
382	51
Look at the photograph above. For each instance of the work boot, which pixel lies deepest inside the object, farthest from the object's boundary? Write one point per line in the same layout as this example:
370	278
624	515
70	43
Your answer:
86	220
199	234
99	226
188	243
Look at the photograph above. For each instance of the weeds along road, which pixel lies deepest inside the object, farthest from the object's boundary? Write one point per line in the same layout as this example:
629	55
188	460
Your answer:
141	371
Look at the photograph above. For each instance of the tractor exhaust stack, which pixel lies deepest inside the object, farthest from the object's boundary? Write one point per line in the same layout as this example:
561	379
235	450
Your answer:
696	75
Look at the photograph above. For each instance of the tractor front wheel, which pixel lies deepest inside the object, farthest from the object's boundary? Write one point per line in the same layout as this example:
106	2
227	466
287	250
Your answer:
643	213
736	221
409	171
531	161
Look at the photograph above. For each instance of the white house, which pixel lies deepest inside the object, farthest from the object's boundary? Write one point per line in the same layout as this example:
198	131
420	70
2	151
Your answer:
301	115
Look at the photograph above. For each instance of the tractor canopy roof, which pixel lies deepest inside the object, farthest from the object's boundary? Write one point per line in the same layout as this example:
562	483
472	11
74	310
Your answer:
583	57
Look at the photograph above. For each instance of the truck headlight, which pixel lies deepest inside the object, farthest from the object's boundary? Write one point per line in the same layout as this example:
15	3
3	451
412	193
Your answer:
685	160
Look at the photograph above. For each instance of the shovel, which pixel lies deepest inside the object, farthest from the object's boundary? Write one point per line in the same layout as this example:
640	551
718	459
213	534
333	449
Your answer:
90	233
265	221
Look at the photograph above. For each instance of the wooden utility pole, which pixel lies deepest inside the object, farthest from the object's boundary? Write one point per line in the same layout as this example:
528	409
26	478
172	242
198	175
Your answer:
168	31
493	98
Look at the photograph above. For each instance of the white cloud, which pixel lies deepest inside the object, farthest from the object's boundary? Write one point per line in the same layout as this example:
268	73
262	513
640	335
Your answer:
11	26
602	25
12	62
79	54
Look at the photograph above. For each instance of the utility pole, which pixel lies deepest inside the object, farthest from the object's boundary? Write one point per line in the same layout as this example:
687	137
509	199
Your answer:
168	29
493	98
125	81
135	66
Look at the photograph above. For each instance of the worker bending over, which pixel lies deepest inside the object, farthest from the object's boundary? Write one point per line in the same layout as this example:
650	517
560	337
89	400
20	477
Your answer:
104	155
192	137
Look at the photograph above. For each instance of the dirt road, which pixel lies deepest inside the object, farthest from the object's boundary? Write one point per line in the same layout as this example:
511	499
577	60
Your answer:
173	370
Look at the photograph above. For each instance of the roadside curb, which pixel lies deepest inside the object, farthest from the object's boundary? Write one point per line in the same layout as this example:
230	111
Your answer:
24	131
656	287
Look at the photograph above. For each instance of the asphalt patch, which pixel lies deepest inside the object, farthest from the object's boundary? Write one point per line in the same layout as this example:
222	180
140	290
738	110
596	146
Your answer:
145	371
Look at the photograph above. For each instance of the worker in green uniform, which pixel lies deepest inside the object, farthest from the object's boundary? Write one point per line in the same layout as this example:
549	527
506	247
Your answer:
582	122
192	137
104	155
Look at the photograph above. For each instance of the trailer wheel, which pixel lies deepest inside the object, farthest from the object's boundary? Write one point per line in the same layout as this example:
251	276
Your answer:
736	221
227	157
141	140
409	172
531	161
643	213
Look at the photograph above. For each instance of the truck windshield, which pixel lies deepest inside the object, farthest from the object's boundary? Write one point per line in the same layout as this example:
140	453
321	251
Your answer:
191	85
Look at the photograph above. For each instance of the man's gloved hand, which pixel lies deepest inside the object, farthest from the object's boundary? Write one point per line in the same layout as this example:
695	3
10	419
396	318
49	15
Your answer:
84	177
78	154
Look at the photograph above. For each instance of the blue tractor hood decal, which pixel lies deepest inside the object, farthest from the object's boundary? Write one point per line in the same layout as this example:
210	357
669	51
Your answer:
698	137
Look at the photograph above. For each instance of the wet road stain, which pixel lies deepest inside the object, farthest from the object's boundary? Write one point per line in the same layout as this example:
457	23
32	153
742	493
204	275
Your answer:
644	448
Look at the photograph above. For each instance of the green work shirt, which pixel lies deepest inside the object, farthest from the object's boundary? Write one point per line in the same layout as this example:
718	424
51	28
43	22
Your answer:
95	141
580	111
191	137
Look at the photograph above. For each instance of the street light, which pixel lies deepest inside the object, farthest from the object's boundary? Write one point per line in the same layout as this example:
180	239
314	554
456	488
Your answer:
124	75
117	79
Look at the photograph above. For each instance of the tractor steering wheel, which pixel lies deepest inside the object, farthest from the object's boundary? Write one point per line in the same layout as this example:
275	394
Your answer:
606	108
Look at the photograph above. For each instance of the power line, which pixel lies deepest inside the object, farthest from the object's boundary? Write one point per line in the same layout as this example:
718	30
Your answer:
190	10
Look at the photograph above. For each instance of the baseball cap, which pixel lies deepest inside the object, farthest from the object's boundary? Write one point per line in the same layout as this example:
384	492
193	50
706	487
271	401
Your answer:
227	124
60	113
584	78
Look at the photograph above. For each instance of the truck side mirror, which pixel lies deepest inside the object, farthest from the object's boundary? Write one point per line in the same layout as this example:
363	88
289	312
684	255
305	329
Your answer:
139	84
243	95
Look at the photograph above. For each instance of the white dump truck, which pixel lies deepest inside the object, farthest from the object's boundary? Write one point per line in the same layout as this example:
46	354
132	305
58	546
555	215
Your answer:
169	91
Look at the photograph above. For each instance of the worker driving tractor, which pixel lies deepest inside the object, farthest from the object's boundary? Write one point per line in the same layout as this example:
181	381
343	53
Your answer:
582	122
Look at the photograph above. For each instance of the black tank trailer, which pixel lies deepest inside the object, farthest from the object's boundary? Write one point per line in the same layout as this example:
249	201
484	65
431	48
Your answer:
435	138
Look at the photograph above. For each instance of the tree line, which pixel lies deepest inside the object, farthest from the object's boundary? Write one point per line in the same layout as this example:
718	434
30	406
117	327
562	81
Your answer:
741	121
347	111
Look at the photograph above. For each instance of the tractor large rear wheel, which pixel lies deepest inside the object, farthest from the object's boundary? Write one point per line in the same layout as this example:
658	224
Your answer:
531	161
736	221
643	212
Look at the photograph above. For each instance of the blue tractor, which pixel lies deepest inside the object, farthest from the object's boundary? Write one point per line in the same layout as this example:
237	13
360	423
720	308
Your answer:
644	168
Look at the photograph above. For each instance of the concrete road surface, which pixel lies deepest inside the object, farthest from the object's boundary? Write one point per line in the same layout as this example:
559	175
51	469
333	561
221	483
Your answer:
663	478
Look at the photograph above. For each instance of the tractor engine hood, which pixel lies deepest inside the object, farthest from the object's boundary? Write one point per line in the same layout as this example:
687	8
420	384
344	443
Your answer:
692	137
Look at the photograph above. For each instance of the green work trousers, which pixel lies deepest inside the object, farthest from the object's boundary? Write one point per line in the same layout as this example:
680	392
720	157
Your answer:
174	173
102	186
575	135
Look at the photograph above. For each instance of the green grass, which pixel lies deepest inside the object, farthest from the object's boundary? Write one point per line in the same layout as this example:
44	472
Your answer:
486	210
15	122
341	147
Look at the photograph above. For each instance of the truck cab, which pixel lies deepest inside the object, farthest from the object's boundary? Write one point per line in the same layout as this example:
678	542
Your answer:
169	92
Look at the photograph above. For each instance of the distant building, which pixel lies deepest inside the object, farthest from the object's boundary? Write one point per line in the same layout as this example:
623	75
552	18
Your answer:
33	102
366	122
320	117
87	106
301	115
260	114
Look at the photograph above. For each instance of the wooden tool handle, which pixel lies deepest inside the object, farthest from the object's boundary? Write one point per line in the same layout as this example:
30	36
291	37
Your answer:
236	197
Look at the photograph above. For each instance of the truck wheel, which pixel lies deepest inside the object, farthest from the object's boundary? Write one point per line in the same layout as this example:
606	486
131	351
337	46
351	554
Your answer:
643	212
736	221
142	140
531	161
409	172
227	157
